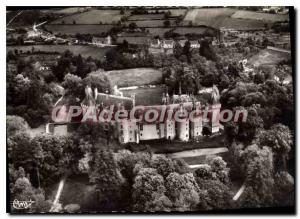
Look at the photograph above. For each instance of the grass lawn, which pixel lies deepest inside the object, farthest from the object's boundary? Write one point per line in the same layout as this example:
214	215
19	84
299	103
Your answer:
134	77
146	95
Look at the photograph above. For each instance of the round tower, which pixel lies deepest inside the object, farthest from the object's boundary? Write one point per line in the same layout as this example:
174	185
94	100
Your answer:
182	125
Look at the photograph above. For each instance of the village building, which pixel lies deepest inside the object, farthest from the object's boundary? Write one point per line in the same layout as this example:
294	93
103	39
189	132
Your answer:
157	46
102	41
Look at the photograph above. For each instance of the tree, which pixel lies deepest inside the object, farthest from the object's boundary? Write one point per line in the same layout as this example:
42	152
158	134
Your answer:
259	171
215	195
132	26
21	189
107	179
247	130
285	189
167	23
163	165
21	153
219	169
55	156
148	185
15	124
73	85
177	49
278	138
186	50
99	81
207	51
183	191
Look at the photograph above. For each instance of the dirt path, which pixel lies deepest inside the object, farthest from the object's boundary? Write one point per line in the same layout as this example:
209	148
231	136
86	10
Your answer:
198	152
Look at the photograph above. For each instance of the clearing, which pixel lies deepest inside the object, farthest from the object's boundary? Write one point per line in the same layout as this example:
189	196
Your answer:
134	77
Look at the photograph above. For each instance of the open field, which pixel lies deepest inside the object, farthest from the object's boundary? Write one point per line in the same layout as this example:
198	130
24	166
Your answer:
241	14
146	96
146	16
134	77
193	30
71	29
208	16
85	51
268	57
243	24
232	18
158	31
71	10
94	16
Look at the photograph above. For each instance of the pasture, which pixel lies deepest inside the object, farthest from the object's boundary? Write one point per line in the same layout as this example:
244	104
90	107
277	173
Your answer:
243	24
231	18
158	31
208	16
71	29
192	30
139	17
94	16
85	51
134	77
241	14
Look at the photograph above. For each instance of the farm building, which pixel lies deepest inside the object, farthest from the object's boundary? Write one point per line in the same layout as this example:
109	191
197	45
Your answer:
161	46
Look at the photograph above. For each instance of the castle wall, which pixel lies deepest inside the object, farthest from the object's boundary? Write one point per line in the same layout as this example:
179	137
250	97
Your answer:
60	130
170	132
183	130
127	131
214	123
196	127
151	131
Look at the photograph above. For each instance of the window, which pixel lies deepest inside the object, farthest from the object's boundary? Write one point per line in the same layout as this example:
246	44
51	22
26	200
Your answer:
157	125
121	126
141	127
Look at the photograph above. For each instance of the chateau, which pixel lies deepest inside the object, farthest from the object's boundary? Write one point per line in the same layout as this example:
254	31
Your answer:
165	126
